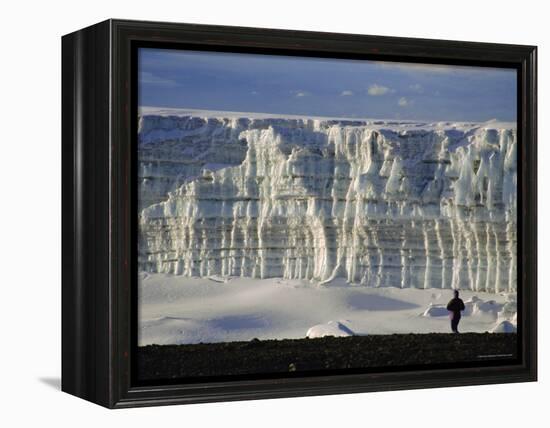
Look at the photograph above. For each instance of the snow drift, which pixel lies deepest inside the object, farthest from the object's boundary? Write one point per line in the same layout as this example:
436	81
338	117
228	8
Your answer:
331	328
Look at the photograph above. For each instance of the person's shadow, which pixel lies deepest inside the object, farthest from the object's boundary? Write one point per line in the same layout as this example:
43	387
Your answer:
52	382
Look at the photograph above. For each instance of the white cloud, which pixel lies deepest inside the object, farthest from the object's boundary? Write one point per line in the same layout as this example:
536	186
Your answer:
377	90
300	93
148	78
403	102
346	93
417	87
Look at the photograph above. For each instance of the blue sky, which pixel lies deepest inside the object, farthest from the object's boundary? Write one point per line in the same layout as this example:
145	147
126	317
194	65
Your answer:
324	87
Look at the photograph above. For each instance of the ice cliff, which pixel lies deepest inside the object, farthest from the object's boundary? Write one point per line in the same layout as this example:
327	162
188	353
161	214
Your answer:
379	203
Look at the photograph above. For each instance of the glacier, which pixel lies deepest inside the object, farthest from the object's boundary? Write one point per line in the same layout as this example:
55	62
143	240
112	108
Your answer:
374	202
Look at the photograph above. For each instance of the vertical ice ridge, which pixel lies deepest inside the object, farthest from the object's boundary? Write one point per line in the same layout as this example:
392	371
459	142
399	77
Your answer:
377	205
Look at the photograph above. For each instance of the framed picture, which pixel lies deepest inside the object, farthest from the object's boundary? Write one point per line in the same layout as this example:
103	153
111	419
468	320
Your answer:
253	213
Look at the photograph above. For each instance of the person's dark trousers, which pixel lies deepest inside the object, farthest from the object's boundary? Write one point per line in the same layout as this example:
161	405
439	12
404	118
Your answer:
454	323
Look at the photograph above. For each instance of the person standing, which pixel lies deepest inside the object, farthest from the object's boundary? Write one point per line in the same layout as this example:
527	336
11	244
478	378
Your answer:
455	307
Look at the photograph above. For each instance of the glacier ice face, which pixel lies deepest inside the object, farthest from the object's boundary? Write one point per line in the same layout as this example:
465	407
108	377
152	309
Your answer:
174	150
378	203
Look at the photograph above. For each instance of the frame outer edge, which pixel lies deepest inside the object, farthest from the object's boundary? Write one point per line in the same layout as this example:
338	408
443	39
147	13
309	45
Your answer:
70	380
86	313
532	127
110	363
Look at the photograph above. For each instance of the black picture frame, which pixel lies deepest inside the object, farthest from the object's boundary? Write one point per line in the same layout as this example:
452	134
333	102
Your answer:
99	222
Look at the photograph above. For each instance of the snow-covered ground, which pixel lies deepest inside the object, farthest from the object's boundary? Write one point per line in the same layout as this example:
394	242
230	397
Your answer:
177	310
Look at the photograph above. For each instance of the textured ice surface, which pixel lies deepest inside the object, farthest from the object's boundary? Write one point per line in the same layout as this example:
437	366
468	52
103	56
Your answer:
376	203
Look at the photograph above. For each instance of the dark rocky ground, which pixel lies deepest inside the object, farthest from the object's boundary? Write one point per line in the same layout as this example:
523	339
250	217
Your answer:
295	355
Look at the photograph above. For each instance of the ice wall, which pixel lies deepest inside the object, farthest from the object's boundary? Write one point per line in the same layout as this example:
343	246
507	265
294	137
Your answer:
377	203
174	150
